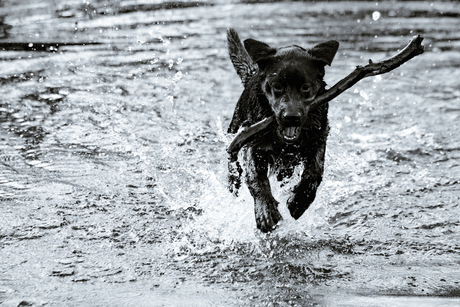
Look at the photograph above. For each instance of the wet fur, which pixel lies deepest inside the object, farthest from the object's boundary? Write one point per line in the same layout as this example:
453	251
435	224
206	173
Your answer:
257	64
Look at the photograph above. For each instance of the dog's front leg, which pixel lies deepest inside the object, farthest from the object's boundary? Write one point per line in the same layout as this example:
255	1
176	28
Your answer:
304	192
265	205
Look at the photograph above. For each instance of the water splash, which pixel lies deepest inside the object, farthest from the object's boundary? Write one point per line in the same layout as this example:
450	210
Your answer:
376	15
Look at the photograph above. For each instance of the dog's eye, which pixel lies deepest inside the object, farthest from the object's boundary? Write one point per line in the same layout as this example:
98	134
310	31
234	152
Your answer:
305	88
277	88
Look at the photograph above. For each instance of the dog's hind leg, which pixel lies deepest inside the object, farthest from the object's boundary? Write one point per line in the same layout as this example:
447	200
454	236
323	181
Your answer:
304	192
265	205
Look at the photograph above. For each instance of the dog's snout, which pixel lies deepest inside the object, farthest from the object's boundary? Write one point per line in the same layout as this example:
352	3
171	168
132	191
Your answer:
291	117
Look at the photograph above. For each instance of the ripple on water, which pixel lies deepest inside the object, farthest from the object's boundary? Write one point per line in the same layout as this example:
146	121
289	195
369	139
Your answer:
113	163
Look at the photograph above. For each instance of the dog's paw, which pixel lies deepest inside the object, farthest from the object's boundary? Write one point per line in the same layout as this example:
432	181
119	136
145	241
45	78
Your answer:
296	207
300	201
267	214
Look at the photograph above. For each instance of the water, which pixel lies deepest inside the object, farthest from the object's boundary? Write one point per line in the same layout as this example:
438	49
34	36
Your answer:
113	163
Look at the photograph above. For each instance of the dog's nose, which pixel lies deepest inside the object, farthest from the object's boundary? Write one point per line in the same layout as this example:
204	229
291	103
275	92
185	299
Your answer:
292	117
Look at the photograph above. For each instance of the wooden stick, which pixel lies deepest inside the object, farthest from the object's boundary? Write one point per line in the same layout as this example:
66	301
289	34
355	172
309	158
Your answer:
413	49
246	134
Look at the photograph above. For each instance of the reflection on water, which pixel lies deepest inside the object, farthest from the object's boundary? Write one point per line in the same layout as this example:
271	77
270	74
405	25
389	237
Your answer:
113	164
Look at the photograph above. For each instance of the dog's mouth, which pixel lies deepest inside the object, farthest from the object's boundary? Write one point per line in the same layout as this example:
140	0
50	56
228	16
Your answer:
290	134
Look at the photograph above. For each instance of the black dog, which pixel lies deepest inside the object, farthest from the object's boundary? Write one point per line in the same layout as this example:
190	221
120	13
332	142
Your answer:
281	82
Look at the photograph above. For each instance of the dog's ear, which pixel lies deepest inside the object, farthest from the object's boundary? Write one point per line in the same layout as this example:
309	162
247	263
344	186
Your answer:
324	52
259	52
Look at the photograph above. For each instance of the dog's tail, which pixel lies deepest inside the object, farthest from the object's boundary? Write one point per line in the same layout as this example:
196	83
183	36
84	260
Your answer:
244	66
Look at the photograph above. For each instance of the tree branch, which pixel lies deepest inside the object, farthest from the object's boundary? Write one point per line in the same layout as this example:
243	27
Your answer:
413	49
247	134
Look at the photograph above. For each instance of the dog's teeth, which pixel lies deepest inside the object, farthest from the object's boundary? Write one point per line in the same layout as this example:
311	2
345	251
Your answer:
291	133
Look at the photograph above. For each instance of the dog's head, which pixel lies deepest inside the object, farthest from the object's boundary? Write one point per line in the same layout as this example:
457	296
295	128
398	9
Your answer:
291	78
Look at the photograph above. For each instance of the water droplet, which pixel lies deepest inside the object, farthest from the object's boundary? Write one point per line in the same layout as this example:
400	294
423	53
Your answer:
364	95
377	78
177	76
376	15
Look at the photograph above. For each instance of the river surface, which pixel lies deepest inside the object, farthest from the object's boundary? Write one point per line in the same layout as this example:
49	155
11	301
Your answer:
113	119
